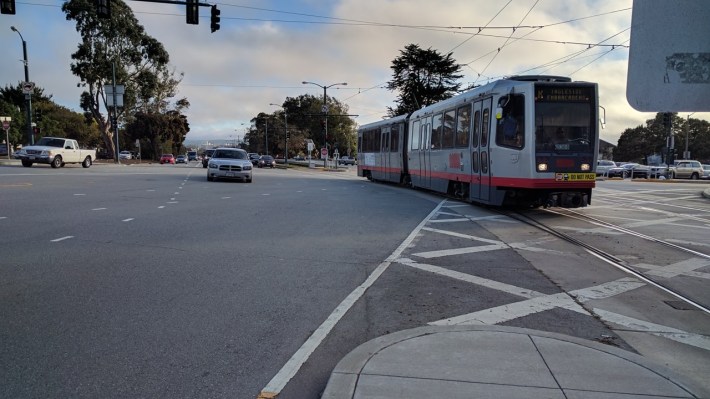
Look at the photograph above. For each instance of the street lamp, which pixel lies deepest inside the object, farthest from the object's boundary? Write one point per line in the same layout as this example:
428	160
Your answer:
28	96
285	133
686	153
325	113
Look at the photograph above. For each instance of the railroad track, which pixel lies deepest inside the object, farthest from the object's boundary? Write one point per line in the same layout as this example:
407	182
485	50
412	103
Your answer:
533	218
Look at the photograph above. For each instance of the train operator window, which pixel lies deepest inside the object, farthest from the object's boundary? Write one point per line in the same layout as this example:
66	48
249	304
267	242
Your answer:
511	127
463	126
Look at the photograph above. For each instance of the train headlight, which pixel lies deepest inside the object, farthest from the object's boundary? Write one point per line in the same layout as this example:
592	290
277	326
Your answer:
585	167
542	167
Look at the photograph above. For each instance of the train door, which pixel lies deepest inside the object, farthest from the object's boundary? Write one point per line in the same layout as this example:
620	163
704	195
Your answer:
483	150
475	155
385	152
425	153
480	163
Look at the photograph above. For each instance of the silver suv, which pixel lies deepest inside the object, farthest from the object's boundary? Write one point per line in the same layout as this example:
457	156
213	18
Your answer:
686	169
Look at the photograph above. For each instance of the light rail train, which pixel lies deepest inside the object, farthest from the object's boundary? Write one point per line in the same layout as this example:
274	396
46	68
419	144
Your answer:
525	141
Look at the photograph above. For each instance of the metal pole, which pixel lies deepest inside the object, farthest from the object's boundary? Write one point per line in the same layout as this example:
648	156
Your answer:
325	138
28	96
686	154
114	120
286	139
266	134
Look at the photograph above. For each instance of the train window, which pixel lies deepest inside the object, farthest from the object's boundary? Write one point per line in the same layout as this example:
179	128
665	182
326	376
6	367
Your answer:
394	138
436	132
448	129
385	142
414	138
476	128
484	162
485	125
510	128
463	126
474	162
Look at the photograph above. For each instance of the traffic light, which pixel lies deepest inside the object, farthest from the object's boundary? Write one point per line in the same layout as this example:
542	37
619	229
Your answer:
214	19
7	6
667	119
103	8
288	135
38	115
192	12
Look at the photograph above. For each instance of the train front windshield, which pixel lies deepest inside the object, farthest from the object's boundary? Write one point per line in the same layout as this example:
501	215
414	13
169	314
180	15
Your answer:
564	119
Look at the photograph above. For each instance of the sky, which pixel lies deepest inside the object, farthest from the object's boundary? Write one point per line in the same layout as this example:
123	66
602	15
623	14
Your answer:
265	49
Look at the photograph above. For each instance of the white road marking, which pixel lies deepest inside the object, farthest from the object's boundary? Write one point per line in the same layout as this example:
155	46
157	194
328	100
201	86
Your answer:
501	314
161	207
171	202
279	381
176	193
460	251
3	217
127	220
636	325
78	194
226	197
266	194
484	282
99	209
686	267
62	239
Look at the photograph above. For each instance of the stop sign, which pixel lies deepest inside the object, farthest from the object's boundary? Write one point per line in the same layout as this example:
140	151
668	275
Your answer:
324	153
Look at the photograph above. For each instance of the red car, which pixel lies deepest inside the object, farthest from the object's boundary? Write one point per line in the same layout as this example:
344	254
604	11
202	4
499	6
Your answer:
167	158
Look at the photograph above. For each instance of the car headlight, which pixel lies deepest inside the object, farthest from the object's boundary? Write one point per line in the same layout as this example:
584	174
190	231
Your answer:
247	166
213	165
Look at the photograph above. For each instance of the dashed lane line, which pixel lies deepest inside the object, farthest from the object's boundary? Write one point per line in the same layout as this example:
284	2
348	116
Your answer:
61	239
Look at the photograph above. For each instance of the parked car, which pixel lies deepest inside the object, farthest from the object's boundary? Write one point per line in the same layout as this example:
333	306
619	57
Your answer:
229	163
267	161
181	159
346	161
636	171
603	166
125	155
254	158
706	172
167	158
686	169
206	157
299	158
616	171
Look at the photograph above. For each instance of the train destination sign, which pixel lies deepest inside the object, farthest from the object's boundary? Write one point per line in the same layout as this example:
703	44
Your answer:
563	94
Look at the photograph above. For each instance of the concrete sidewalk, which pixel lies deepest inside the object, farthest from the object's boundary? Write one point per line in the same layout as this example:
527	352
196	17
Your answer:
498	362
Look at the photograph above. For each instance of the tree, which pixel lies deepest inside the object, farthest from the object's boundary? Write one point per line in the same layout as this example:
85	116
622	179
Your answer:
422	77
56	120
159	131
140	62
305	121
636	144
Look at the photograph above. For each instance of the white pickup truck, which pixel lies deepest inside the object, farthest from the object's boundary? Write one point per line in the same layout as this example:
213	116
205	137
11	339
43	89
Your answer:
57	152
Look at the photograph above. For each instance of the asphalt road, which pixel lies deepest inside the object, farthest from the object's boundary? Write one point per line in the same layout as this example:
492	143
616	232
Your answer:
149	281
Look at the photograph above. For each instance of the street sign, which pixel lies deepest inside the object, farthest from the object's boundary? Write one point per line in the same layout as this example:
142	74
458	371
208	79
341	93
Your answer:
6	125
324	153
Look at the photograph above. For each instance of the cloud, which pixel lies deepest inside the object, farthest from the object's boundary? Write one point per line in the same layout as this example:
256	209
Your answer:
265	49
